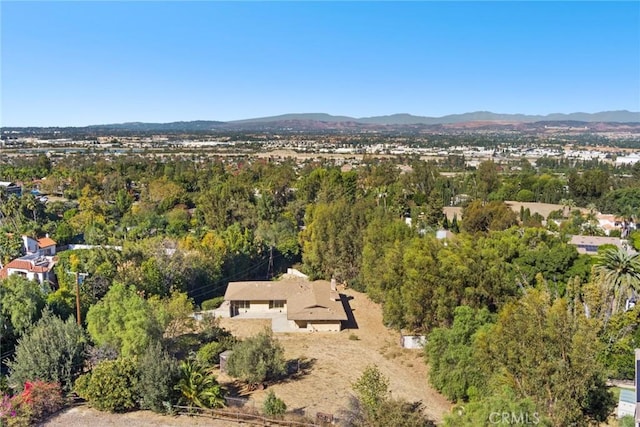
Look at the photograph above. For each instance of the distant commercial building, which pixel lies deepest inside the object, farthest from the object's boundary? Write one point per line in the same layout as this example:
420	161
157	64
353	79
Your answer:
628	160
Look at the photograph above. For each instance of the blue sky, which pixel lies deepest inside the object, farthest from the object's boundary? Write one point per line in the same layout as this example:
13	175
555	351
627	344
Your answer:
81	63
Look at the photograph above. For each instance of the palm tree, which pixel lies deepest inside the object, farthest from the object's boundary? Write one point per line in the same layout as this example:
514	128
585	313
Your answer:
620	273
11	210
199	387
30	202
567	203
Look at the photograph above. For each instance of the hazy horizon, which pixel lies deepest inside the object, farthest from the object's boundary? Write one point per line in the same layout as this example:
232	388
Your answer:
87	63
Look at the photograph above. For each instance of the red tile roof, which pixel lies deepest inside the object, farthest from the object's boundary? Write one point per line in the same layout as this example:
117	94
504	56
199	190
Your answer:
45	242
3	273
19	264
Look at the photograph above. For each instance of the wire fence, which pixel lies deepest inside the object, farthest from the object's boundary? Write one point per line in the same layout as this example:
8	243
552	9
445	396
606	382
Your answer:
246	417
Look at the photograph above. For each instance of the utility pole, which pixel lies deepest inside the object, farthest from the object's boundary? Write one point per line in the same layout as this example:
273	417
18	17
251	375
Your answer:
270	269
77	276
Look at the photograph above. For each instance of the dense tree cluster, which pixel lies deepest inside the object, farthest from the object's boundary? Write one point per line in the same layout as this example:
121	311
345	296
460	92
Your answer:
171	233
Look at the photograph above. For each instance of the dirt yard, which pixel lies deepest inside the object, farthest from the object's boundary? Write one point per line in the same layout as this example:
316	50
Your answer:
333	361
337	359
82	416
543	209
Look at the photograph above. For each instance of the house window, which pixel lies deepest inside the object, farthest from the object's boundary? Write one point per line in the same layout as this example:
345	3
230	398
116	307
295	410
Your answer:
276	304
242	304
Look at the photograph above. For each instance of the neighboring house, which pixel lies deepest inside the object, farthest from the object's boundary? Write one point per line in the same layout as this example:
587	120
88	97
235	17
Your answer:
11	188
312	306
43	246
610	222
47	245
38	262
33	267
590	244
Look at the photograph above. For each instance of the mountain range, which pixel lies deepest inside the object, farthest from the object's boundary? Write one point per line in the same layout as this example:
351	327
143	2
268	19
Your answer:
622	116
322	122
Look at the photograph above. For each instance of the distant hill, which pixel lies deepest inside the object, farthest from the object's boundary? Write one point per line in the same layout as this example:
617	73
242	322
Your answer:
622	116
316	117
322	122
192	126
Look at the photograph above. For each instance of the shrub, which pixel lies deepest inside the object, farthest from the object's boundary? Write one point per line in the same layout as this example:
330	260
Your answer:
212	304
53	351
525	196
159	374
111	386
38	400
43	398
198	387
257	359
212	331
209	353
273	406
372	388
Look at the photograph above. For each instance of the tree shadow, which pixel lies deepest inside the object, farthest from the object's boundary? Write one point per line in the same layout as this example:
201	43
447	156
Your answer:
350	323
298	368
236	389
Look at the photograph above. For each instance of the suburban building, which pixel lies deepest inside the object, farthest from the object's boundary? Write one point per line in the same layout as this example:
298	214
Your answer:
38	262
11	188
44	245
33	267
590	244
312	306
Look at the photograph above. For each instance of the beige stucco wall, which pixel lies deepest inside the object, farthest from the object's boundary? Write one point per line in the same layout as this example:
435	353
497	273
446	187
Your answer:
262	306
320	326
259	306
325	326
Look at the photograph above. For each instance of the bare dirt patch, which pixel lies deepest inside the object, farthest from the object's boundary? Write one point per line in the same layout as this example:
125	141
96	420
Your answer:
82	416
336	360
331	363
543	209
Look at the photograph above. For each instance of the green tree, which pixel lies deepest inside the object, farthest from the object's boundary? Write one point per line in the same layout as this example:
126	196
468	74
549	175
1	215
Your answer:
621	275
545	353
620	338
10	247
453	370
257	359
53	350
123	320
481	217
21	303
332	240
487	178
